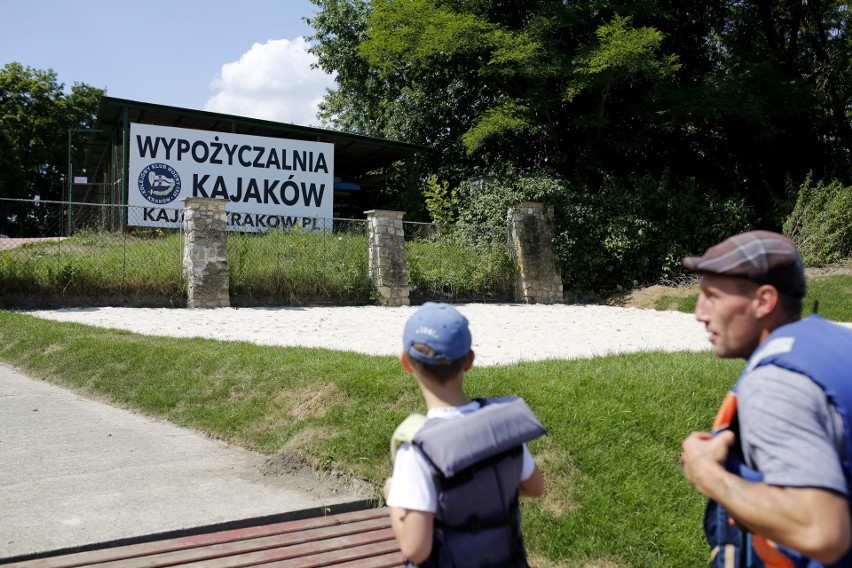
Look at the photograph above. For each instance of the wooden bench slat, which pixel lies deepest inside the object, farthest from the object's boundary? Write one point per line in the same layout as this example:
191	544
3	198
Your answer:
168	545
113	554
383	561
241	547
335	557
304	554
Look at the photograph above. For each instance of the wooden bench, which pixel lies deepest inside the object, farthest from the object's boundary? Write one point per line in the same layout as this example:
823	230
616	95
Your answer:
360	539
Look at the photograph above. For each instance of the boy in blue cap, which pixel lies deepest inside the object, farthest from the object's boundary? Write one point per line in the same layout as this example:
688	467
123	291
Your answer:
458	471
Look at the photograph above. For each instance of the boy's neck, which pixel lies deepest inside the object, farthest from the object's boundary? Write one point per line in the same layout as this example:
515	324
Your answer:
443	396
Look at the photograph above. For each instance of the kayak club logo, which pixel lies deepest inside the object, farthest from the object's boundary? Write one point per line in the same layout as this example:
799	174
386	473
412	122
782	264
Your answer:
159	183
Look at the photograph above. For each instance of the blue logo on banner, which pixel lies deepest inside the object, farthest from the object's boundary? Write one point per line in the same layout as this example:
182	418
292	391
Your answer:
159	183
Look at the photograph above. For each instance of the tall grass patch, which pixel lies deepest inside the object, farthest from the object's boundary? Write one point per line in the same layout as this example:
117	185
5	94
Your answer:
299	266
96	263
458	263
820	223
289	267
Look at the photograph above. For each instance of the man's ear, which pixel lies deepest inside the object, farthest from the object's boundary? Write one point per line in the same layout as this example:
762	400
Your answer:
766	300
406	364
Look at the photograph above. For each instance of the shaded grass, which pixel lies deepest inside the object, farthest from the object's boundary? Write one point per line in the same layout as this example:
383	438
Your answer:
611	460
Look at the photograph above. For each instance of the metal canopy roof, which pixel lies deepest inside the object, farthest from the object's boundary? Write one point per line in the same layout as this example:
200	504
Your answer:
354	155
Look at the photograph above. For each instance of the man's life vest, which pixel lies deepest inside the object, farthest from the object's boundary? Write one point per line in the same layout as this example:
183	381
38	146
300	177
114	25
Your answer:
476	462
822	351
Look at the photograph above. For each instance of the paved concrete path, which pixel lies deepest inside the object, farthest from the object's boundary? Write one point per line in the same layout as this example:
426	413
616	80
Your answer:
76	472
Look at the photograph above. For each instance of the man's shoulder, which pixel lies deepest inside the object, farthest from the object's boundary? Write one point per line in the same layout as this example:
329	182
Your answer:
773	378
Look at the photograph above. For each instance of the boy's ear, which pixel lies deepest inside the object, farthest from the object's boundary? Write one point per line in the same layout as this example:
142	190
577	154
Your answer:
406	364
469	363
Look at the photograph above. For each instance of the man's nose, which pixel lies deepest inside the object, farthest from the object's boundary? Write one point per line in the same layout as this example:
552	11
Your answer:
701	309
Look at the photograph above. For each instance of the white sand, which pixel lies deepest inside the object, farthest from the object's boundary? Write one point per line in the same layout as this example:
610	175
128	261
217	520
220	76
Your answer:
502	333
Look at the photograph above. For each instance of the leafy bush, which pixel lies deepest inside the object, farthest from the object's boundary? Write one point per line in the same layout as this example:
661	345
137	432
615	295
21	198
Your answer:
821	224
439	199
621	234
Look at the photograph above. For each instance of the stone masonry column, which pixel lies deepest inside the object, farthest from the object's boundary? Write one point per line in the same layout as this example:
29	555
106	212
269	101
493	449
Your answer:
388	266
205	253
531	232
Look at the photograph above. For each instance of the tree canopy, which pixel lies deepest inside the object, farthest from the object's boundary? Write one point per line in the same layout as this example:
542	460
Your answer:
36	113
741	98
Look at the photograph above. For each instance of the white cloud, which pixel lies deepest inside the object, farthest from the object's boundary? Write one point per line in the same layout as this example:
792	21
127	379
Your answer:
271	81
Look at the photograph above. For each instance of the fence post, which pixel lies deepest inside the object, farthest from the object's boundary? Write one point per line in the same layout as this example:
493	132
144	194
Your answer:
205	259
536	264
387	262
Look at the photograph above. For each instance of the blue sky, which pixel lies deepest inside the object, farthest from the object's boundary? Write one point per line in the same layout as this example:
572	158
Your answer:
244	57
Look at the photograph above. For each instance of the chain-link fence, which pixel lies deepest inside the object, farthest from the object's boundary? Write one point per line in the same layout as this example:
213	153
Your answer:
97	254
89	253
458	263
326	263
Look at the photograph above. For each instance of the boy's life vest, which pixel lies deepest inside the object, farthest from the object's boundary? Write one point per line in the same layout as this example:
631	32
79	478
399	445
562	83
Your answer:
821	351
476	462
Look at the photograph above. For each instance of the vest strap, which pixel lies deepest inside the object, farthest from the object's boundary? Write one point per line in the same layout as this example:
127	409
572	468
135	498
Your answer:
474	525
405	432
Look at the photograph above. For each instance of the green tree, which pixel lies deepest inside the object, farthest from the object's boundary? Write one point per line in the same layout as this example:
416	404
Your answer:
36	113
356	104
738	95
485	82
758	111
12	185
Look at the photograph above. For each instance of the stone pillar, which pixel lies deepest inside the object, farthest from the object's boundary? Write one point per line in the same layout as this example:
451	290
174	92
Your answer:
531	231
388	267
205	253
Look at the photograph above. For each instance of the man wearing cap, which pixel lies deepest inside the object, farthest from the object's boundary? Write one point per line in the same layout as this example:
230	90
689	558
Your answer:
776	468
458	471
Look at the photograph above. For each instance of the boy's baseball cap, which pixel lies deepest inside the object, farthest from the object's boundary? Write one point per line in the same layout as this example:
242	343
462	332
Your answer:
763	257
441	328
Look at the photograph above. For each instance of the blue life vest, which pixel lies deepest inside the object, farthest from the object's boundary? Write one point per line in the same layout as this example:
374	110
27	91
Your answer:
476	462
822	351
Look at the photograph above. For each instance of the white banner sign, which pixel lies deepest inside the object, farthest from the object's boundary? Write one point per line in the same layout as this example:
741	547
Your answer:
269	183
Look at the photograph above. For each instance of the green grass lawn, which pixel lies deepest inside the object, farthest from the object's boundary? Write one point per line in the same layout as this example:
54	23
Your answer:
615	489
834	294
615	492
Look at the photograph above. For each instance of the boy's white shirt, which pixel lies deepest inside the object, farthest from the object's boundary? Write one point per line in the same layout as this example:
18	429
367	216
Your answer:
412	487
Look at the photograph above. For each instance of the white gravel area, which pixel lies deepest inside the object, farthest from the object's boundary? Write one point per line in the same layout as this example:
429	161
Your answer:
502	333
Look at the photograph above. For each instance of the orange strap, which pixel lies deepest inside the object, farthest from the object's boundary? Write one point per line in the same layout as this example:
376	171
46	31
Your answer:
726	412
769	553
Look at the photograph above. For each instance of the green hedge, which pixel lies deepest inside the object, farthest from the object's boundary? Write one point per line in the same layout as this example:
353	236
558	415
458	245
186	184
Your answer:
821	222
624	233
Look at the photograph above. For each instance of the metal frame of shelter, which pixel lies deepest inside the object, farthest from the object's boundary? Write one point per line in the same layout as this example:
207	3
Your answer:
359	161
